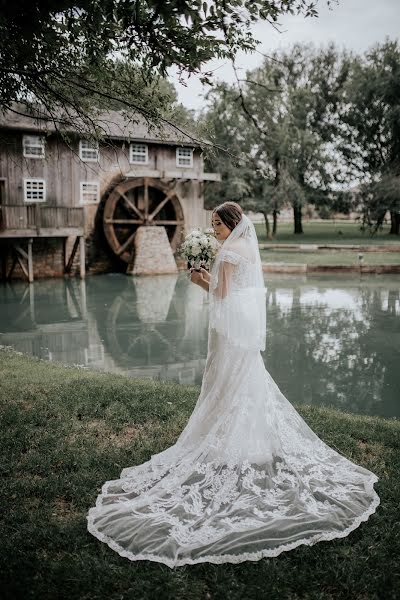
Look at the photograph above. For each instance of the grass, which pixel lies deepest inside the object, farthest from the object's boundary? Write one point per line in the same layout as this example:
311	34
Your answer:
66	430
326	232
328	257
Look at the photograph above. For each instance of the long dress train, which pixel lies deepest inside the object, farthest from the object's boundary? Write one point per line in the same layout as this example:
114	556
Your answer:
247	478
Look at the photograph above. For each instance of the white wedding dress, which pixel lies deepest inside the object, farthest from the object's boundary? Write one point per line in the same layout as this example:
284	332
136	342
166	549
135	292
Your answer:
247	478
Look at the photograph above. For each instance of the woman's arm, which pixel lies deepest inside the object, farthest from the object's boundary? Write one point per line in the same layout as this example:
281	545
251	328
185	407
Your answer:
224	278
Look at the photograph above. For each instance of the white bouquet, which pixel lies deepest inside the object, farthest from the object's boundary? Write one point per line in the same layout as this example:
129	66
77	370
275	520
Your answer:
199	248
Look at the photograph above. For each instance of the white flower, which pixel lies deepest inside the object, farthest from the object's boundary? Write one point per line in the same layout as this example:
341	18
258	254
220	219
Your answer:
198	244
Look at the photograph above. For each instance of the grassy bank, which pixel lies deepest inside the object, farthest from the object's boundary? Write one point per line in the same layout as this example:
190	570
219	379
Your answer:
328	257
326	232
66	430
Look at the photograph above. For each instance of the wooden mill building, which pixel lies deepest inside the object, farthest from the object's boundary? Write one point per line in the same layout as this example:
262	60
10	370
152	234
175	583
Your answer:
75	206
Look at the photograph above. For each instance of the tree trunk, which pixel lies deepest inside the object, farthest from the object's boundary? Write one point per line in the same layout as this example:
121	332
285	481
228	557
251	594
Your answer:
267	226
298	226
275	213
394	223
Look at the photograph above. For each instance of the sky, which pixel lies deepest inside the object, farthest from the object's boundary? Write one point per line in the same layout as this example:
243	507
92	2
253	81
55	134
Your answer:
353	24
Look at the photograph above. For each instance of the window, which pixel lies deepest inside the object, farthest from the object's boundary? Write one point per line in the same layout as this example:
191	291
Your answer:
33	146
89	151
34	190
139	153
184	157
89	192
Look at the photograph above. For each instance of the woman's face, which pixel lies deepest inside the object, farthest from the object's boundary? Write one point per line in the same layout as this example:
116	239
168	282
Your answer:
220	229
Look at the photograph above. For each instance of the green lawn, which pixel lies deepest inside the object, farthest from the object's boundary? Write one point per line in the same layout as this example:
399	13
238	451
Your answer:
326	232
66	430
328	257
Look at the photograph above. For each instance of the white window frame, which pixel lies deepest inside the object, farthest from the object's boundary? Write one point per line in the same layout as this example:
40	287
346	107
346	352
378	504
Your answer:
39	143
131	153
82	192
30	180
178	157
90	147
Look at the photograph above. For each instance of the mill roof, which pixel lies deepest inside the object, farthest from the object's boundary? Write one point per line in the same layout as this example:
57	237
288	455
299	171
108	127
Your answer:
111	123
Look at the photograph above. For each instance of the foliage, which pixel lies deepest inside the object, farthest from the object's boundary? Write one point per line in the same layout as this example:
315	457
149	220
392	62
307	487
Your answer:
59	53
371	140
308	122
281	119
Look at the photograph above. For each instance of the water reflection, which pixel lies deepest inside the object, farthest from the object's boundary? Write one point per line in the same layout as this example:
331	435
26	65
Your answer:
332	341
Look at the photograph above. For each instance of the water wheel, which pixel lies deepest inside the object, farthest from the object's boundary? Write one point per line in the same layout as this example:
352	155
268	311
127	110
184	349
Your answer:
140	201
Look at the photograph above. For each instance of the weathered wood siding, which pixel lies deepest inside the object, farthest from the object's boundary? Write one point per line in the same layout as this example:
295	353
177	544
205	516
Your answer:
63	170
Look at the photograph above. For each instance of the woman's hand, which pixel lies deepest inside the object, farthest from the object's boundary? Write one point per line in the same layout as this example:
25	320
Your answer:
206	274
200	277
196	276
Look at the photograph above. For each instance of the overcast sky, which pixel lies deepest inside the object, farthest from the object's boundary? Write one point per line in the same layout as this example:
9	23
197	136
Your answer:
353	24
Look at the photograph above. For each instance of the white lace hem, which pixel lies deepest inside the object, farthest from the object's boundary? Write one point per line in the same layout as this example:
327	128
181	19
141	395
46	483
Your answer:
232	558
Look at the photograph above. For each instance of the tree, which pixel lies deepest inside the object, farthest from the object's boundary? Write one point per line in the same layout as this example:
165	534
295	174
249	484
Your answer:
282	118
57	53
232	154
371	140
299	130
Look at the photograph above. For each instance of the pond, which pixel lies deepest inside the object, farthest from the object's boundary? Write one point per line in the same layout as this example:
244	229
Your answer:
330	340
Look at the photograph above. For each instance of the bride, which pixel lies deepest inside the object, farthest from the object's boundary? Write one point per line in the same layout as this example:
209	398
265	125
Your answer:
247	478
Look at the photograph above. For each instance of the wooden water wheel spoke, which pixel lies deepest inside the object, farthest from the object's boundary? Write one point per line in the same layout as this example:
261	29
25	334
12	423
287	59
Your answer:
160	206
131	205
126	244
124	221
141	201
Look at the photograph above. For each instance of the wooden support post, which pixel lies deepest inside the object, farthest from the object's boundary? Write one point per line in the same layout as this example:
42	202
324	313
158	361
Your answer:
65	245
82	256
21	264
72	256
19	255
30	261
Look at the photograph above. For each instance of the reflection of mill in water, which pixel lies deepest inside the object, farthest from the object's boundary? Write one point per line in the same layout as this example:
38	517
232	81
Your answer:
157	328
150	326
47	319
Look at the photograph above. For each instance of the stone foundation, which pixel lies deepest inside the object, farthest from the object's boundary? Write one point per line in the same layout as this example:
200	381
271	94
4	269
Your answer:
153	253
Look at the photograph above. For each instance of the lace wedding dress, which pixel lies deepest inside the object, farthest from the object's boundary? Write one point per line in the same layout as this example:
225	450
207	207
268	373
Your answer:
247	478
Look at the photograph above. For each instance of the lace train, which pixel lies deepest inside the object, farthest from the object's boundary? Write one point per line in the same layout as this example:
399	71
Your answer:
246	479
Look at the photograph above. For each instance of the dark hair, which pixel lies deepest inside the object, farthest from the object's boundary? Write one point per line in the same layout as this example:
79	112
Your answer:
230	213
